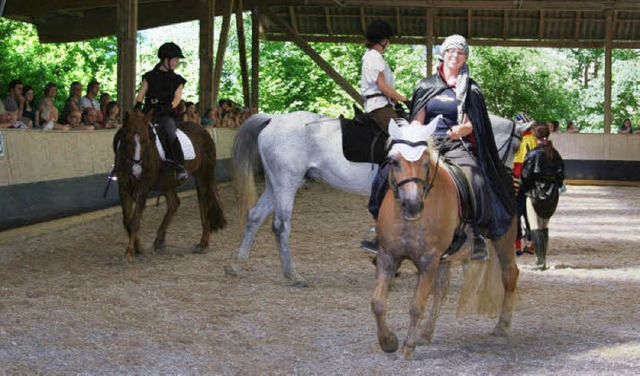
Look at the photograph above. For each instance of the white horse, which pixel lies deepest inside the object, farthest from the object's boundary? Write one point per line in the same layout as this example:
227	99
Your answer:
298	146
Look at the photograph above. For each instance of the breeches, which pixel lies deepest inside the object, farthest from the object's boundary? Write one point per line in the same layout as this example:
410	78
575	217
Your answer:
167	131
382	116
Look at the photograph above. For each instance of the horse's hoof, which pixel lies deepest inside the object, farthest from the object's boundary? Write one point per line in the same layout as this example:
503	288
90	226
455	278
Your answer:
499	331
201	249
408	352
389	344
232	270
296	280
126	261
160	246
423	341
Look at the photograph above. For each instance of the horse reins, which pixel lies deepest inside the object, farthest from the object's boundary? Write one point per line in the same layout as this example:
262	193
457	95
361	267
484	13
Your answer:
426	184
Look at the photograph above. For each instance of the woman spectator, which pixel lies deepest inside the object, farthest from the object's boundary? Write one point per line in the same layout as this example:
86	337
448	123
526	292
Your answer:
29	110
571	128
542	177
191	114
112	117
47	102
626	127
73	102
105	99
211	117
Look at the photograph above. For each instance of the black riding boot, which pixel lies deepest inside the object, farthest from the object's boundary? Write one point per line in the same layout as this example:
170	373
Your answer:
540	239
480	250
178	160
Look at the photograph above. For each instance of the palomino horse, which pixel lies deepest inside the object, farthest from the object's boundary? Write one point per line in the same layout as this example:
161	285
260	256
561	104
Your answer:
303	145
417	220
139	170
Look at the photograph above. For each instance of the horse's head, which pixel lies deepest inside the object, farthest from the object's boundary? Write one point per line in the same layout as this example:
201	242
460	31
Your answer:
133	143
409	159
508	137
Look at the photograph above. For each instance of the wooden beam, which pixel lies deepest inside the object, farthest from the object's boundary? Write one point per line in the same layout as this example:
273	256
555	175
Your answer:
608	49
127	16
505	24
293	18
327	20
242	51
222	47
255	61
469	24
541	26
207	25
304	46
429	23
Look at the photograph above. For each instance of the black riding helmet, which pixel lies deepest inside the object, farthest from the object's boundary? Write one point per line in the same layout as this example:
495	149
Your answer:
378	30
169	50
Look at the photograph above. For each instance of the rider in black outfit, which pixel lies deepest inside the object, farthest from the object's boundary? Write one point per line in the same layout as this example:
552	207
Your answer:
161	90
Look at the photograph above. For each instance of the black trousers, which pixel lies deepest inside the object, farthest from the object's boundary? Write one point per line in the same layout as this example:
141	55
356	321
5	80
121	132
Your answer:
167	131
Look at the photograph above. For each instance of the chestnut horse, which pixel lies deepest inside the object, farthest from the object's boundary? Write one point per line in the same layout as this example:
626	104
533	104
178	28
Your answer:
417	220
139	170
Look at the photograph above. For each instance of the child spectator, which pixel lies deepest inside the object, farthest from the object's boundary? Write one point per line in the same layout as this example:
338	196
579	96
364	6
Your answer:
112	120
191	114
105	98
29	110
49	116
89	120
626	127
73	102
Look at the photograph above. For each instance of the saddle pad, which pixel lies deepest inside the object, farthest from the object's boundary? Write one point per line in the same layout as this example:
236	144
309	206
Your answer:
362	140
465	195
185	143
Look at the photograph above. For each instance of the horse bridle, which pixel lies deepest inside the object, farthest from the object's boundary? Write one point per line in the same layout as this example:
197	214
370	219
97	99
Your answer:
426	184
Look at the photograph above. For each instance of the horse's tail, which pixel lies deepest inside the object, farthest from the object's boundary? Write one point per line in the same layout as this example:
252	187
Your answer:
245	158
482	290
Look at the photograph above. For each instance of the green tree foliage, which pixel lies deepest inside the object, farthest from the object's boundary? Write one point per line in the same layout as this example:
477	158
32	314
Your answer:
37	64
549	84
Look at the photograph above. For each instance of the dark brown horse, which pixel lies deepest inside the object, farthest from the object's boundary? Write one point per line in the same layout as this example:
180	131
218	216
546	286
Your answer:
417	221
140	170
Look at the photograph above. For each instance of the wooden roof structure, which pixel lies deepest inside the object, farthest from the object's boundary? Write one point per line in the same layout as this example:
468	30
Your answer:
548	23
535	23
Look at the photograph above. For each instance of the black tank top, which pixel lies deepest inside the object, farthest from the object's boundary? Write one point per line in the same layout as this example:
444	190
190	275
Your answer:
443	104
162	88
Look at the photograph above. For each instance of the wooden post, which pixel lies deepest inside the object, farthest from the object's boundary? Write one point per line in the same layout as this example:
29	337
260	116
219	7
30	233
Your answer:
255	61
127	16
608	47
429	42
242	51
222	46
207	17
304	46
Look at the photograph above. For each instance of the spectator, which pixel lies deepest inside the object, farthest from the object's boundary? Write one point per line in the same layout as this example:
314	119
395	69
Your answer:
571	128
5	117
555	126
47	102
14	102
211	117
626	127
90	101
105	98
73	102
73	119
49	117
29	110
191	114
89	120
181	109
112	119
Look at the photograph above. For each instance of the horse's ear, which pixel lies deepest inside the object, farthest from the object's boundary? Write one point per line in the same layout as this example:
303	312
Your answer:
148	116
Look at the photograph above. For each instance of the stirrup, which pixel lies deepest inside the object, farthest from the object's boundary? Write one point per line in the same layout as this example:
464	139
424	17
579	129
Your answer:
459	238
480	250
370	245
180	173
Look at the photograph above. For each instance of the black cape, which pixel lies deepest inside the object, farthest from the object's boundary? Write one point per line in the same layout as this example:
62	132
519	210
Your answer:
497	176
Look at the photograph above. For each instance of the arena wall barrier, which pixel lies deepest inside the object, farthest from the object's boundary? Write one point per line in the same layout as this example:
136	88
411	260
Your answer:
611	157
47	175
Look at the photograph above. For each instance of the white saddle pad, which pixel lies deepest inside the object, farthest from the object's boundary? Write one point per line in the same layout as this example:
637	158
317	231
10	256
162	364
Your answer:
185	143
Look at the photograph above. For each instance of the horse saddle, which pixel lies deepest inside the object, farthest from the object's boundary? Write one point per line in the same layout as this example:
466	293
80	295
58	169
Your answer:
466	205
363	140
185	144
466	199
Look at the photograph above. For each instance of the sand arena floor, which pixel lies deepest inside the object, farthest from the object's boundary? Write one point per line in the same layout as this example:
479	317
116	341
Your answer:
68	305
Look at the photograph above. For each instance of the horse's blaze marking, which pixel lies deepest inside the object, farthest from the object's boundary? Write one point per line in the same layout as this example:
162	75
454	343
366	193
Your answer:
136	168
